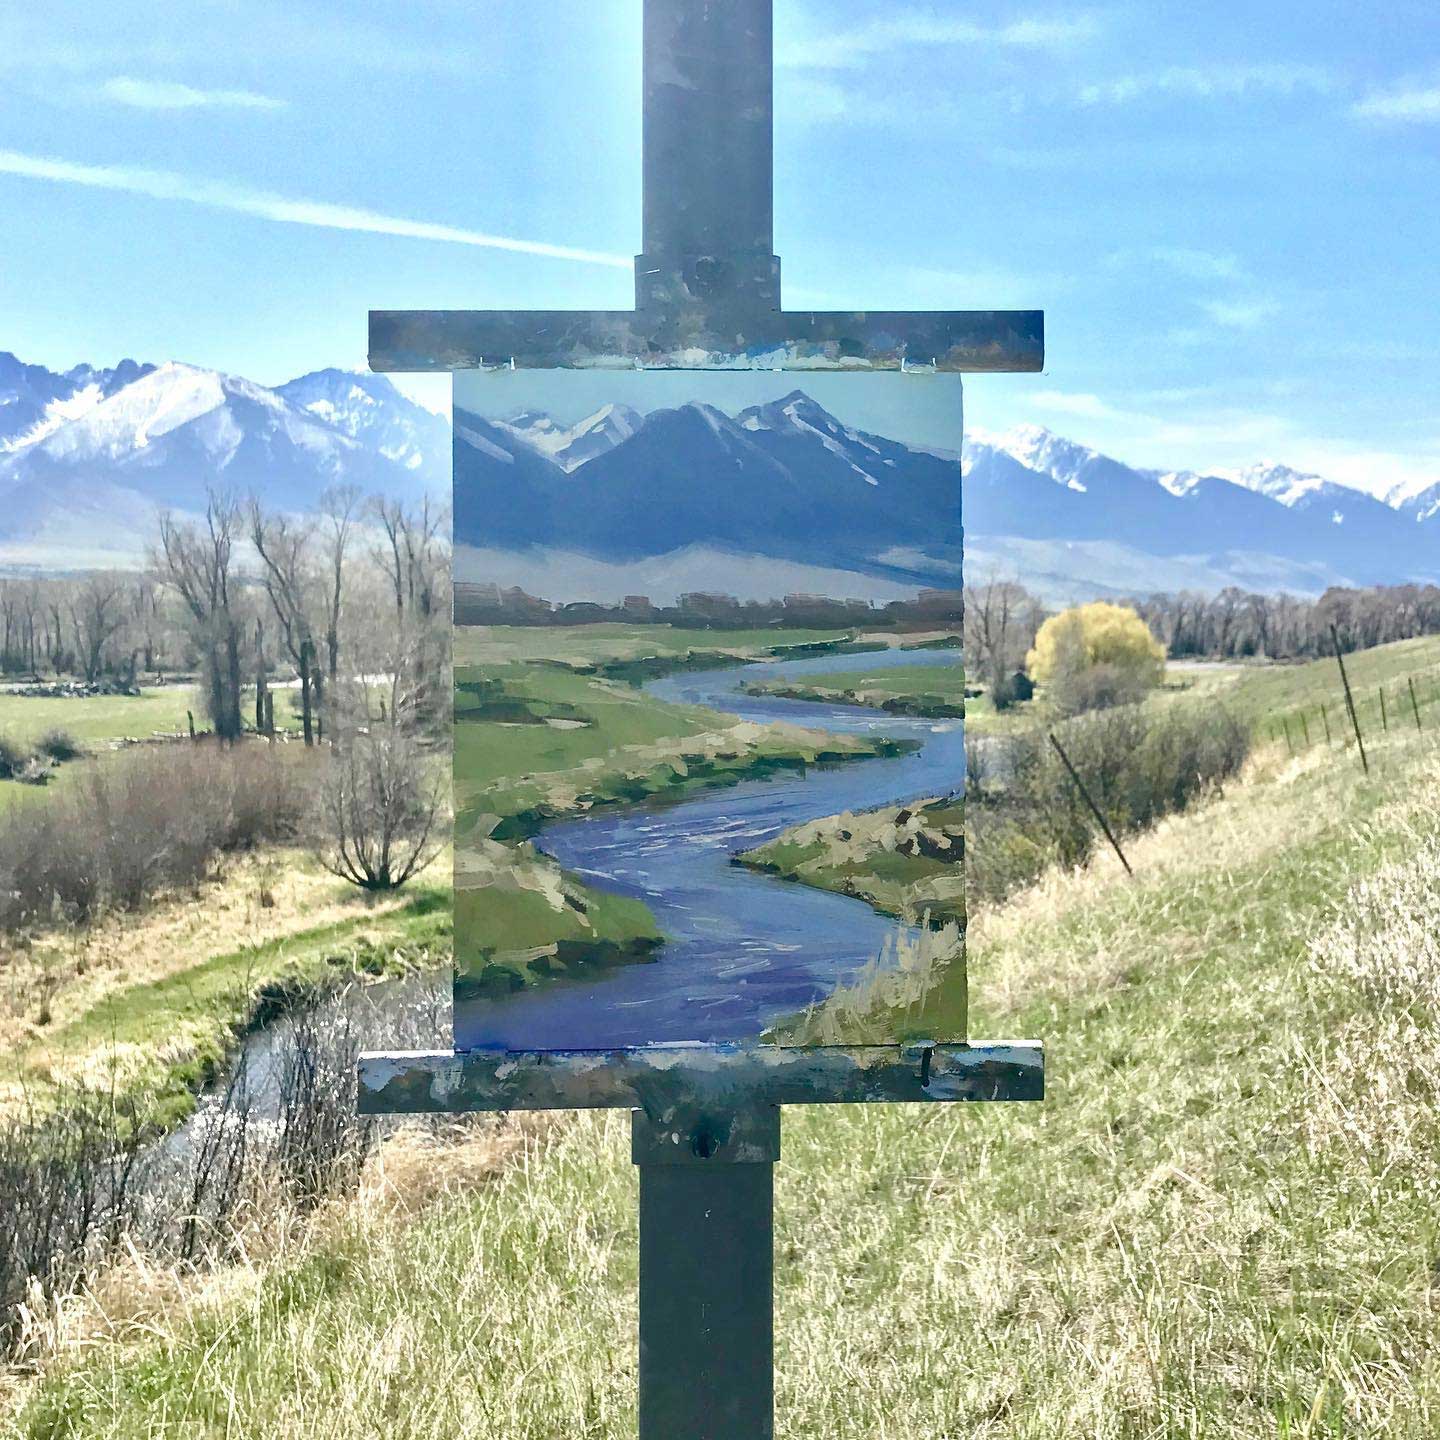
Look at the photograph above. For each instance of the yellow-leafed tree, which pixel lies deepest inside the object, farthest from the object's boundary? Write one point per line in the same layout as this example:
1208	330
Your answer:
1096	655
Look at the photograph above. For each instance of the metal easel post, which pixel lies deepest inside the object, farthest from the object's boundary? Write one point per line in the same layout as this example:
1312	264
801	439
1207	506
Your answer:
707	1227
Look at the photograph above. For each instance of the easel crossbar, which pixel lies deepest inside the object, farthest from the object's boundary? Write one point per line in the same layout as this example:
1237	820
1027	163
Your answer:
665	1081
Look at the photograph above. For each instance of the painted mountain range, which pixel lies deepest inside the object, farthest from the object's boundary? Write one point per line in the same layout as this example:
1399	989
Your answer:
786	482
88	455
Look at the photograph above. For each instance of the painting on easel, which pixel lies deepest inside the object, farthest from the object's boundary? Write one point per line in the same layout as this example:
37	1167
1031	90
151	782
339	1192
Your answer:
709	699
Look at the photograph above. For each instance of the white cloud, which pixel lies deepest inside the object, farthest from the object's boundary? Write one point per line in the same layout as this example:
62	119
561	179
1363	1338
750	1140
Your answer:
1089	407
1208	82
1192	263
168	95
847	49
1239	314
1409	106
219	195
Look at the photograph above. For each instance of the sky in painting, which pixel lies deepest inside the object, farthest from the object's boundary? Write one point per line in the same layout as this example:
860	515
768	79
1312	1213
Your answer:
1230	213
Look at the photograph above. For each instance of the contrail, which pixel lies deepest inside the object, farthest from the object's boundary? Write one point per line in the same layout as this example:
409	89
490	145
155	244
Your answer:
218	195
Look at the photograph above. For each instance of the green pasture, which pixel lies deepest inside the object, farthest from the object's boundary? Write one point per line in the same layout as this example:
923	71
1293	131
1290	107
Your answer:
591	644
94	720
1272	694
933	690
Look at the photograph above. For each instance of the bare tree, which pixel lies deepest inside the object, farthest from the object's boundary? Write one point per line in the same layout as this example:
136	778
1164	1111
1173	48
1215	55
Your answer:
382	805
283	547
195	561
341	507
97	615
413	555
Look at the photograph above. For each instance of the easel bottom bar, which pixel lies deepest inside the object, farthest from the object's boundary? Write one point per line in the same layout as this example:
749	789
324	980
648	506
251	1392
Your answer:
668	1081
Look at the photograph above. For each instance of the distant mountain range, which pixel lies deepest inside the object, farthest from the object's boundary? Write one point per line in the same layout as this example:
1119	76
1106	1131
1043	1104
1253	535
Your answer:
791	483
87	457
778	498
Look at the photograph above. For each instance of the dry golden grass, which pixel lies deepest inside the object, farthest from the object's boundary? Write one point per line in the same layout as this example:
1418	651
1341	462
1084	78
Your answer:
1221	1224
255	898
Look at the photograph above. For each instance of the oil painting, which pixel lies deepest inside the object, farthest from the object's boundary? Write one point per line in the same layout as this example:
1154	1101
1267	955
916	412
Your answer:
709	699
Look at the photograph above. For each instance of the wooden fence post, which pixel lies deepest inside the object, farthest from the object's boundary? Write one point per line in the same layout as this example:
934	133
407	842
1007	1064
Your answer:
1094	808
1350	700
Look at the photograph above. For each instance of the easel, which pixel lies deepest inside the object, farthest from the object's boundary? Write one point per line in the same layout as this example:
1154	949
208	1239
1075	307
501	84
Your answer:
705	1121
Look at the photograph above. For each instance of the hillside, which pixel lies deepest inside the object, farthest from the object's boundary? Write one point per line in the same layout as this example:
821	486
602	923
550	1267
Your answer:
1220	1223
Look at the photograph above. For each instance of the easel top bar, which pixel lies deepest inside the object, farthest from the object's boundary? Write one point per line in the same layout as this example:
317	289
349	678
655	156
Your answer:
973	341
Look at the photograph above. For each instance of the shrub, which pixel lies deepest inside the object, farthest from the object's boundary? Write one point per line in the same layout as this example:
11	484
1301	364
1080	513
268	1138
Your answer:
380	809
1095	656
59	745
1079	688
1138	763
13	758
138	822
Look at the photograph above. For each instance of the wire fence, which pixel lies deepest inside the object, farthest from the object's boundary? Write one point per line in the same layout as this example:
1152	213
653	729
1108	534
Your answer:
1355	713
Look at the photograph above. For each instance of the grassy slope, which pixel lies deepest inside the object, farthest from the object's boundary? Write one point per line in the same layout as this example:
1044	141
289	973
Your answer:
158	1033
1221	1223
1274	693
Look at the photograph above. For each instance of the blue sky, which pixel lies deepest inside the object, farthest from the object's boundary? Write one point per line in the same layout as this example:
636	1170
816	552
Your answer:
1230	213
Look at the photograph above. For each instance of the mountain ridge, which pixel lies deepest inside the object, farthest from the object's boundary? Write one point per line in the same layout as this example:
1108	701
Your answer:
87	455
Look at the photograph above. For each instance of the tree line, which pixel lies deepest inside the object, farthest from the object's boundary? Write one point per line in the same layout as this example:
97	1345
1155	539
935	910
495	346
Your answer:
1236	624
348	607
1002	619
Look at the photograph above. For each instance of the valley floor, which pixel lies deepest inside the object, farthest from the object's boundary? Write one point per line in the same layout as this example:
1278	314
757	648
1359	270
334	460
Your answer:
1222	1222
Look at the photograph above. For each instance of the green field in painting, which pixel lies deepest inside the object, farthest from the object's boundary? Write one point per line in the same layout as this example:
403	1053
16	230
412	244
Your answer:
926	690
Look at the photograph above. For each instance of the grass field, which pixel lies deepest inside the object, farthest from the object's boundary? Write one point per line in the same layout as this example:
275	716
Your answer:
1221	1223
94	720
595	644
1274	693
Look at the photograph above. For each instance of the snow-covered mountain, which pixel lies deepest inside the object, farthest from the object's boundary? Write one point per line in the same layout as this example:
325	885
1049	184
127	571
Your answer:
35	402
370	410
792	484
571	446
88	457
1268	522
786	483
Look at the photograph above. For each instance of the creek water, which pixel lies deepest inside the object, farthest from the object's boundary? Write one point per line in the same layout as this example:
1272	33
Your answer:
742	949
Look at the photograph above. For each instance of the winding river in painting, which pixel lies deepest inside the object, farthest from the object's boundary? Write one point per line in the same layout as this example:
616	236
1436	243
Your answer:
743	949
